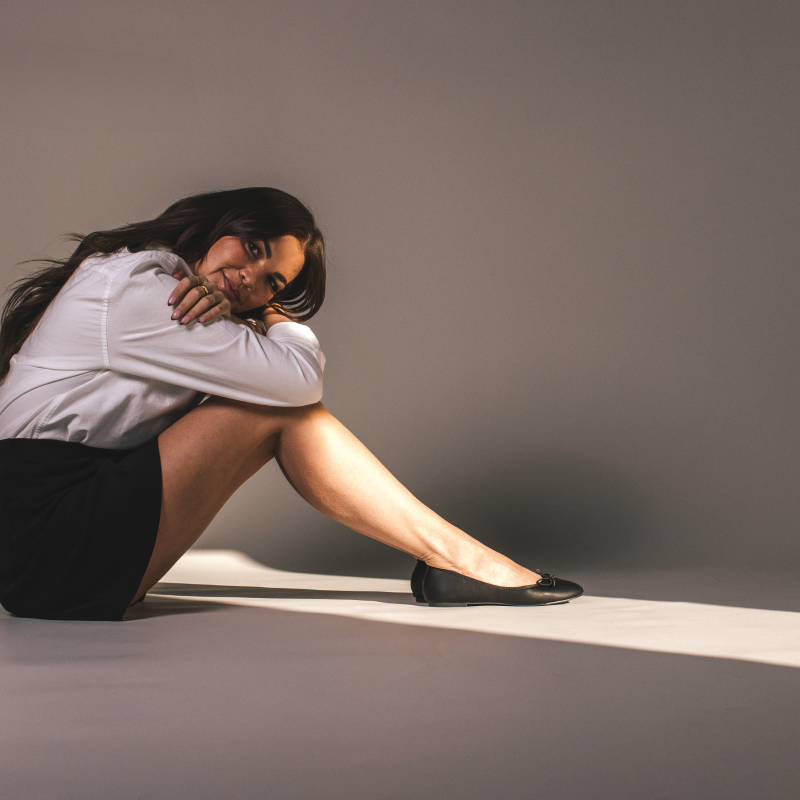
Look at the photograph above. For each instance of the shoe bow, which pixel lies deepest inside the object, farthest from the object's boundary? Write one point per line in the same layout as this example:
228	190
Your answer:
547	578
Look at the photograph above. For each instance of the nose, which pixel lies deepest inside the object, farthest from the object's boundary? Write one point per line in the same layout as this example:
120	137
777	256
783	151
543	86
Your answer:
247	279
253	280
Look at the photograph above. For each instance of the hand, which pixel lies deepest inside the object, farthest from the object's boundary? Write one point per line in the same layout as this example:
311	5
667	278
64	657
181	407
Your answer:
192	301
272	316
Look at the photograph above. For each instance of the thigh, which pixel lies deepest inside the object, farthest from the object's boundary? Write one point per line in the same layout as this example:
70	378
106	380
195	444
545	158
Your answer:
205	457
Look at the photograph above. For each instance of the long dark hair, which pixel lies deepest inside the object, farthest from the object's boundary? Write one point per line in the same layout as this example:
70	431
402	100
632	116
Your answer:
188	228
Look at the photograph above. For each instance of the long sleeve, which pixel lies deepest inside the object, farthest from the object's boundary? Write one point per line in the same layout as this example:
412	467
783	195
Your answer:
108	367
222	358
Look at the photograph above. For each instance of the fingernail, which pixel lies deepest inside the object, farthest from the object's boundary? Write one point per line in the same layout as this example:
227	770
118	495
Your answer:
176	314
202	319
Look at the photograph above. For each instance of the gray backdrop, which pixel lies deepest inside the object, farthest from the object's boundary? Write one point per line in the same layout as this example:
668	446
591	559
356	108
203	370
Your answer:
562	236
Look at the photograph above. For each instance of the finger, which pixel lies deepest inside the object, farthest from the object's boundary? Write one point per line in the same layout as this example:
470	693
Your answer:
222	308
203	306
182	289
215	304
185	283
196	301
186	296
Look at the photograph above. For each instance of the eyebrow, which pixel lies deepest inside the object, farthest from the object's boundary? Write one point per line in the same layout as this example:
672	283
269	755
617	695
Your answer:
280	277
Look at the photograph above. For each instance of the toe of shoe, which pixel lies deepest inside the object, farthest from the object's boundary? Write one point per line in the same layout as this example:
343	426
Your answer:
557	592
567	589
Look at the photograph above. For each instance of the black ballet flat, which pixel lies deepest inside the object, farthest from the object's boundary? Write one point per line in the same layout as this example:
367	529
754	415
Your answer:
416	581
443	588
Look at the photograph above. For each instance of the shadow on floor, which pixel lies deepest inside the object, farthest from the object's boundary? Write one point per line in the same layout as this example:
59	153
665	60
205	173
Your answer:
155	605
214	590
723	587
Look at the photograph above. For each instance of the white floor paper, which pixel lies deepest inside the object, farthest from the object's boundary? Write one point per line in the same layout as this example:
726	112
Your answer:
748	634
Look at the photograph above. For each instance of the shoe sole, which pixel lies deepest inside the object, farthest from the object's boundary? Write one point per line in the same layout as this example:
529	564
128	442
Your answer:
507	605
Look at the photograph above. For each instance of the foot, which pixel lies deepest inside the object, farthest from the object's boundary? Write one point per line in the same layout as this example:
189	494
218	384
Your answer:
444	588
488	566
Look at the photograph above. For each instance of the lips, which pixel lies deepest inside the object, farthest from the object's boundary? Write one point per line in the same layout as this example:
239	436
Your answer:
229	288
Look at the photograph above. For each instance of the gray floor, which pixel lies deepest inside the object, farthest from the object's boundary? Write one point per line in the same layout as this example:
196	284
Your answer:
201	700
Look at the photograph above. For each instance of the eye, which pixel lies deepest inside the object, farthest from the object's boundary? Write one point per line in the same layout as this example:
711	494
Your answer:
254	249
273	284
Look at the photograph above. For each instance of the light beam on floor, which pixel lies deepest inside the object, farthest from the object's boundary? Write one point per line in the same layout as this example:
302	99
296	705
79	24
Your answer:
748	634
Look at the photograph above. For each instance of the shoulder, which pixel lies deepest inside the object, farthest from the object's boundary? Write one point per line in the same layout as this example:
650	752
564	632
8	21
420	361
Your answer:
130	265
124	273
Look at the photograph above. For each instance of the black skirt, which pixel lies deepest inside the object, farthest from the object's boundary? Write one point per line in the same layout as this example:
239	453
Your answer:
77	527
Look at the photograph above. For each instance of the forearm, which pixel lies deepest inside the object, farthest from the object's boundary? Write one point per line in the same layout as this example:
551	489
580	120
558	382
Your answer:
283	368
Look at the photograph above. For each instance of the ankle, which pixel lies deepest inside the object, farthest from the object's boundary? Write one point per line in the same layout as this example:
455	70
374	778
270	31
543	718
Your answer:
462	554
488	566
470	558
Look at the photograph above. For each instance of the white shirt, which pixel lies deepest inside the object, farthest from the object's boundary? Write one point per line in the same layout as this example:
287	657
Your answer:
108	367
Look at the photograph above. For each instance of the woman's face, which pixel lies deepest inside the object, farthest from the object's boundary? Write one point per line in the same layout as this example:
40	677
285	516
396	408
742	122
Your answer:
250	271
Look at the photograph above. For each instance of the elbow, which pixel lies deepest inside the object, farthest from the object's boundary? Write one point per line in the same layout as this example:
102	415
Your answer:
311	393
307	389
300	381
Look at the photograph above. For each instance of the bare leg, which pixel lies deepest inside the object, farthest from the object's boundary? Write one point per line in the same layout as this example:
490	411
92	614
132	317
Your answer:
215	448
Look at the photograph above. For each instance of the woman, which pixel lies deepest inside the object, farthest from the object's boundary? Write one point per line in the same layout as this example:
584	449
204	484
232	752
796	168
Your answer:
112	466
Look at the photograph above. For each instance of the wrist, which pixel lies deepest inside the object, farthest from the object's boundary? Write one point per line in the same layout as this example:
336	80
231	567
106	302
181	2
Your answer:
255	325
270	318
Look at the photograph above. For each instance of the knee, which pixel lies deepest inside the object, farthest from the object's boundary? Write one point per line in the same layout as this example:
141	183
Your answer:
283	419
313	410
314	413
242	407
300	424
311	420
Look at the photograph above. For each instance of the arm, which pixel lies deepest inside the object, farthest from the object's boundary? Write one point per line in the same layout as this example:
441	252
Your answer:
283	368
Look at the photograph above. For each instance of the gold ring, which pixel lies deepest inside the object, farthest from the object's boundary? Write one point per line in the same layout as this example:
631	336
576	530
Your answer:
203	286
